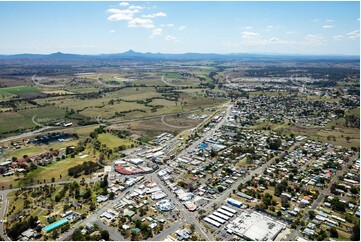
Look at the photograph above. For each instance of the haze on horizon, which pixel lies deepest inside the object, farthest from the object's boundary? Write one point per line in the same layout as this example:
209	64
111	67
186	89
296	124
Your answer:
317	28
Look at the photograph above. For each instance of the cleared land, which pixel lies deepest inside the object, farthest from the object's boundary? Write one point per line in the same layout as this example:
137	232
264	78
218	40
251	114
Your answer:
112	141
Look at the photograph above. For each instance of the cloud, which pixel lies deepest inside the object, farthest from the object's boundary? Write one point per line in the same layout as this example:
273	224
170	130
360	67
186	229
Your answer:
291	32
249	34
121	14
112	31
171	38
249	27
183	27
353	35
167	25
123	4
330	20
338	37
135	7
314	39
328	26
255	39
156	32
141	23
160	14
272	27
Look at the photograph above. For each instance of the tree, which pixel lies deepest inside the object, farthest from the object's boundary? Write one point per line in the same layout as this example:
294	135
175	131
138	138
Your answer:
311	214
55	234
105	235
333	232
356	231
53	179
192	228
92	206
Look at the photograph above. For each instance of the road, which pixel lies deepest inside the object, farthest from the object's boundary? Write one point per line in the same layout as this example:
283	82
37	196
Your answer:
324	193
62	129
163	234
4	194
188	216
221	198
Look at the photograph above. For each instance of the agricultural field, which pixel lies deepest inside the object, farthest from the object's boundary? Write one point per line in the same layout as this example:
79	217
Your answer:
19	90
112	141
23	119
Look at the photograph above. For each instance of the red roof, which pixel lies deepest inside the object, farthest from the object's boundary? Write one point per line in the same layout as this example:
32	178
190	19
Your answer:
122	170
307	198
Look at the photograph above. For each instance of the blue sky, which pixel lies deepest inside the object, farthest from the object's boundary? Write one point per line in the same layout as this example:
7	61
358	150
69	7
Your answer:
178	27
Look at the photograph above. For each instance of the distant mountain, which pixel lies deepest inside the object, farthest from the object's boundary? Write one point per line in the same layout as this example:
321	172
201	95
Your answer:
130	54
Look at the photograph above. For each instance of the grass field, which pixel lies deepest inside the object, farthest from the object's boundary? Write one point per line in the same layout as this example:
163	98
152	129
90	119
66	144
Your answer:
112	141
23	120
19	90
54	169
4	96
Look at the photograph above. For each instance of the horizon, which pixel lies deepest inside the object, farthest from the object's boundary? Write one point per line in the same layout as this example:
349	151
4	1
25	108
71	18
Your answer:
182	53
93	28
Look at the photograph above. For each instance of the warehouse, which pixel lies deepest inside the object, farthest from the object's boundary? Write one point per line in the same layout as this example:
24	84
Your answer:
222	216
231	210
214	223
220	210
256	226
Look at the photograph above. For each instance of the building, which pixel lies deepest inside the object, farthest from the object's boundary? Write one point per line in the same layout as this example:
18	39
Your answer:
55	225
256	226
234	202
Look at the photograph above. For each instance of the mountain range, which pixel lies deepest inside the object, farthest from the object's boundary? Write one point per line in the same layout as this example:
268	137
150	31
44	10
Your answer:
186	56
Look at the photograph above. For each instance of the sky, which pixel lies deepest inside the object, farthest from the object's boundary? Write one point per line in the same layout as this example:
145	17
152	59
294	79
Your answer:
326	28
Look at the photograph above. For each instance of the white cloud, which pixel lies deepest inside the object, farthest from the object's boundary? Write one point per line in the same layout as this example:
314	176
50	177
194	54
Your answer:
328	26
141	23
183	27
112	31
167	25
338	37
353	35
157	31
171	38
121	14
249	27
249	34
330	20
314	39
124	4
135	7
160	14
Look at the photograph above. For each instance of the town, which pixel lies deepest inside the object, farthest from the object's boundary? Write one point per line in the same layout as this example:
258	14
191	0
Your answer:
180	121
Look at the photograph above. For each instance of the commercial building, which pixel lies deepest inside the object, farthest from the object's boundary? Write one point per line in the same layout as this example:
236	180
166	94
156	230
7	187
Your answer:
255	226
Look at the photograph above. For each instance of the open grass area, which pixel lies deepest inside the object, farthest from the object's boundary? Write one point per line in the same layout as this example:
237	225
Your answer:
54	169
5	96
23	119
19	90
112	141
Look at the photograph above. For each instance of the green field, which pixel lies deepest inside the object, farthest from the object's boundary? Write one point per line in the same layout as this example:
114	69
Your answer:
4	96
23	120
19	90
112	141
54	169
